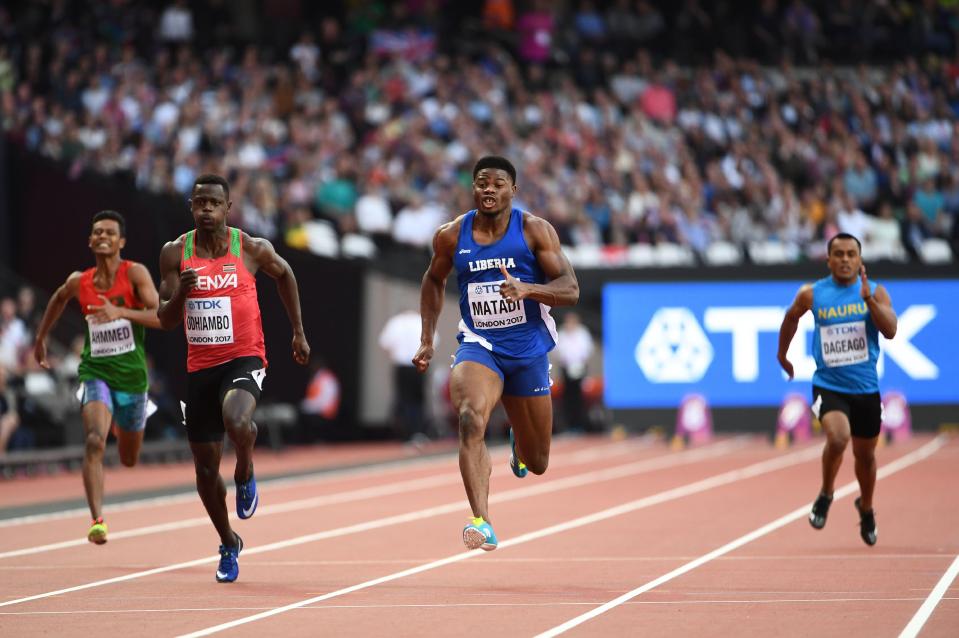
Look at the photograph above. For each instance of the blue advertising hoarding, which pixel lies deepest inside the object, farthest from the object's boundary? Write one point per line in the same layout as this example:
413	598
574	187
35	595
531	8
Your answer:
663	341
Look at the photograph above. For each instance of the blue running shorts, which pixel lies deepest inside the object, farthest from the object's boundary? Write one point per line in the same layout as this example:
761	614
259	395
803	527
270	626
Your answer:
129	409
521	377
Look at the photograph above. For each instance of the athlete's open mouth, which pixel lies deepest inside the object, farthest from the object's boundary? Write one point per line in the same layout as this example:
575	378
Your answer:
489	201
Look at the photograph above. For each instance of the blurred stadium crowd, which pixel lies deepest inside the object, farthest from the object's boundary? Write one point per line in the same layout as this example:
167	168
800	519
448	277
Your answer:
648	132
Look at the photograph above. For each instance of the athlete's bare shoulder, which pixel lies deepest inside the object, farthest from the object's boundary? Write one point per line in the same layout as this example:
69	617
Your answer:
534	221
138	268
258	252
452	226
538	231
72	284
444	241
178	242
251	243
170	254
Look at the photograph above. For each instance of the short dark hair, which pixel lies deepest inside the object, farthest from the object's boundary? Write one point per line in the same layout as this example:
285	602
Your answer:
212	178
495	161
115	216
842	236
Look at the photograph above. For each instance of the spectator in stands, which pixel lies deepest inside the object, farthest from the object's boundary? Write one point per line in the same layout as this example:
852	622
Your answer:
886	232
321	405
801	31
717	137
176	23
915	230
536	29
27	309
400	338
9	417
336	197
417	221
573	350
14	337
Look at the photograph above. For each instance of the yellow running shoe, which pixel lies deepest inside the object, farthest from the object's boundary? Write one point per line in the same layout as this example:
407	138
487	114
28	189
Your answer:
98	532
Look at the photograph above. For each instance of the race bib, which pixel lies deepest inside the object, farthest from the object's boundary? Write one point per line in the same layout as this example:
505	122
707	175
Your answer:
209	321
490	310
111	338
844	344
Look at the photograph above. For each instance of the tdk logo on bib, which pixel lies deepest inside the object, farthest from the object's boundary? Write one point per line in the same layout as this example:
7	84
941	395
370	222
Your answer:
204	304
663	341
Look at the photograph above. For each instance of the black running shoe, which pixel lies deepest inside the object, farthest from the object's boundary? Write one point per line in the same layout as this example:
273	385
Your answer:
867	525
820	509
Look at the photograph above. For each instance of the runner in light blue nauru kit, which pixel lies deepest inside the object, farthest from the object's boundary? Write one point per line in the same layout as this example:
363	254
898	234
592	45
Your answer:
511	271
849	313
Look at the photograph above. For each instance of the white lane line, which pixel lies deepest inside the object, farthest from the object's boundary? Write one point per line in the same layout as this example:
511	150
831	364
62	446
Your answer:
630	469
899	464
732	476
558	603
925	611
289	506
267	510
580	456
519	560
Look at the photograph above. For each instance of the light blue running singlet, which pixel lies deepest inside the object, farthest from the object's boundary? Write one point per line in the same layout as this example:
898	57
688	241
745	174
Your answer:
845	340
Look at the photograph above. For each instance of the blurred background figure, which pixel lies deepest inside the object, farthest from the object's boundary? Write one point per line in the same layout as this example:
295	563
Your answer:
574	347
321	405
400	338
9	418
14	337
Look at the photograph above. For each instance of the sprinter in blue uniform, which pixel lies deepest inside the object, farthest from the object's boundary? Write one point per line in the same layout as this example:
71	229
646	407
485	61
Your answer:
511	271
850	312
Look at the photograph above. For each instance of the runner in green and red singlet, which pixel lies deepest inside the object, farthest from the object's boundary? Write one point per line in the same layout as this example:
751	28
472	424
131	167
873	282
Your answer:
118	299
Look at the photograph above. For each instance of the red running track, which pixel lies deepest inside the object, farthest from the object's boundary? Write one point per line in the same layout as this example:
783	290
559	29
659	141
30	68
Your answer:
619	538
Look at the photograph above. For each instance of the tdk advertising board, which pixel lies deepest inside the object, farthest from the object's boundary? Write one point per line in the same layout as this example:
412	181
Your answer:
665	340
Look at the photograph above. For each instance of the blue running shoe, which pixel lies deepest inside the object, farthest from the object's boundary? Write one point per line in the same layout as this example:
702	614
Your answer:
480	534
229	568
246	498
518	467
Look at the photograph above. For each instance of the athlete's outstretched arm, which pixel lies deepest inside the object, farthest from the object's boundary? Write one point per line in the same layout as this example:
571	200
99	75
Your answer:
433	289
562	288
801	304
174	285
880	307
145	292
51	315
272	264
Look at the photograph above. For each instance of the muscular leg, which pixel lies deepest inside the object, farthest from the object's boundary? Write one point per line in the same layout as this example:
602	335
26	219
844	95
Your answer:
836	426
96	424
474	389
238	406
864	450
212	490
129	444
532	421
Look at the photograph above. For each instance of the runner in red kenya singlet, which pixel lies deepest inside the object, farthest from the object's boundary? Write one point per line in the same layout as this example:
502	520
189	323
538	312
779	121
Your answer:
224	290
207	281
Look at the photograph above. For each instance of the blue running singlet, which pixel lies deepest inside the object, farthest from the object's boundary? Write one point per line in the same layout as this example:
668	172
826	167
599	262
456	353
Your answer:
518	329
845	340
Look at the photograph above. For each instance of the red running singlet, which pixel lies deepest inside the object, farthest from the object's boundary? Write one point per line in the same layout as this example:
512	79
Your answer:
221	316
